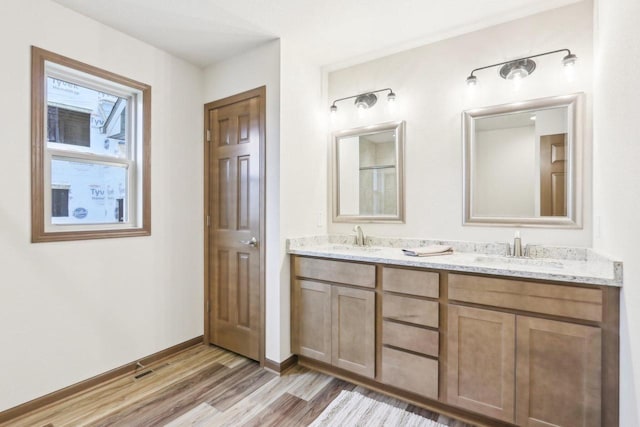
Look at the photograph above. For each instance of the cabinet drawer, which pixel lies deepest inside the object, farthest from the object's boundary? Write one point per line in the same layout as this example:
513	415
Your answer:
558	300
349	273
410	337
411	310
412	282
407	371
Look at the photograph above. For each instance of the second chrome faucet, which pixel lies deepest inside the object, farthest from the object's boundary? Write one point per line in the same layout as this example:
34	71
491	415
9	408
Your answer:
517	245
360	237
518	250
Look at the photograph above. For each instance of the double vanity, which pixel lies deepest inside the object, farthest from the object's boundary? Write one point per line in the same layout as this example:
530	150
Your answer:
476	334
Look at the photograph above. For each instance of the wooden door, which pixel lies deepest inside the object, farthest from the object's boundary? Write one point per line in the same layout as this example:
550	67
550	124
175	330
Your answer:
558	374
353	330
553	201
481	361
236	208
311	326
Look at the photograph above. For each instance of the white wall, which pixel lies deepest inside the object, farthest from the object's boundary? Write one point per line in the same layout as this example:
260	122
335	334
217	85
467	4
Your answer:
235	75
296	160
303	161
505	173
431	94
348	152
617	177
71	310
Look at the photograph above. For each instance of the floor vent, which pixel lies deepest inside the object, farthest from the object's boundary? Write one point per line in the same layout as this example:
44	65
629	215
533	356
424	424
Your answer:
143	374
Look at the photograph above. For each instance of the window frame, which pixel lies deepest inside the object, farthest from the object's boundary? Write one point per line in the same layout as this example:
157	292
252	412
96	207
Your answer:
45	63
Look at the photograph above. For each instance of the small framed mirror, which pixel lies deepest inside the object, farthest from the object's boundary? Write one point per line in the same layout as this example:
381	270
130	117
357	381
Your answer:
368	165
523	163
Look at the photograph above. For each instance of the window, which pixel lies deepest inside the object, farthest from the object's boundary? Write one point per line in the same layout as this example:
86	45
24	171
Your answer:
90	143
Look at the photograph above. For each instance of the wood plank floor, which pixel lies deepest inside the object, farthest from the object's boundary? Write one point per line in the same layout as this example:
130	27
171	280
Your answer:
206	386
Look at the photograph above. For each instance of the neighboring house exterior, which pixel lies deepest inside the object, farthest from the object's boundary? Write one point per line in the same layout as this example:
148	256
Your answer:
93	123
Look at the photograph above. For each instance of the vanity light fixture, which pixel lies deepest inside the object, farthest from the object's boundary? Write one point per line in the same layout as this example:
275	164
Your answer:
520	68
364	101
517	69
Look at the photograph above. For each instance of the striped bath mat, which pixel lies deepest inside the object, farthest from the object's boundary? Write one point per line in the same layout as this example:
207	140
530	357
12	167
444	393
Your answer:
352	409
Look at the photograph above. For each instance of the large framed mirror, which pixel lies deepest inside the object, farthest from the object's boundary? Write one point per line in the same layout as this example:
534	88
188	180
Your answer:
523	163
368	178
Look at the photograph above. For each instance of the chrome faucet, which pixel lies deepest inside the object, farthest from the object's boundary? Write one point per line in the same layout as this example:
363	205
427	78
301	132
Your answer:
517	246
360	238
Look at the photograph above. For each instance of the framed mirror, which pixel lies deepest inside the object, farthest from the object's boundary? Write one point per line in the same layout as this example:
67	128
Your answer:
368	178
522	163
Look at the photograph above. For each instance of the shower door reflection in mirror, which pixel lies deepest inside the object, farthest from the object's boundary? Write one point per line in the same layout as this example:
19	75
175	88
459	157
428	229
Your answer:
368	173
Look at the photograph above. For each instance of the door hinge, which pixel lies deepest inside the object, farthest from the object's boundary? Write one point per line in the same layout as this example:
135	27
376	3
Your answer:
208	221
208	135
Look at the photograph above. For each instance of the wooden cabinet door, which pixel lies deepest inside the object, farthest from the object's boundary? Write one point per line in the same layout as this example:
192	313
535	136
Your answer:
481	361
558	374
312	320
353	330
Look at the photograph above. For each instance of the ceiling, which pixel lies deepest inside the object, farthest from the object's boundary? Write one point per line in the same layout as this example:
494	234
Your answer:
523	119
506	121
333	31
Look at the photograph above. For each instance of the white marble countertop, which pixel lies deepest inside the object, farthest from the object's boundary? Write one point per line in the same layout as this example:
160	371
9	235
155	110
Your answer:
576	265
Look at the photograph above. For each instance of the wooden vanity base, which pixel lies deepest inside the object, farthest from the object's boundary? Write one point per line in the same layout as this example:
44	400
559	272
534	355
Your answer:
488	350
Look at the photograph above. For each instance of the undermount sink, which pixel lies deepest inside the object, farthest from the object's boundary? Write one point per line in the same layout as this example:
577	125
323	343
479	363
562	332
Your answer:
533	262
354	248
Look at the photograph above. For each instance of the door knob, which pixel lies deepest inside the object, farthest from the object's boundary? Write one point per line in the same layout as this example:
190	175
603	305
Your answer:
253	242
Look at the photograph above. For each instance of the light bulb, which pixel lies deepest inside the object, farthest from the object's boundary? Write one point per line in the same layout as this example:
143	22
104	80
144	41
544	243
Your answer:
570	71
569	60
517	81
517	73
362	109
391	98
472	81
569	63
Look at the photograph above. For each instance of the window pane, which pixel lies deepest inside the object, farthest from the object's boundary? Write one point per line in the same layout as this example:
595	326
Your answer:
82	117
88	193
68	126
59	202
